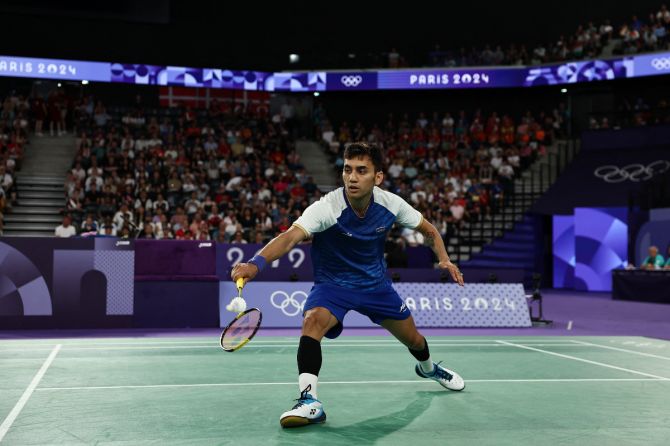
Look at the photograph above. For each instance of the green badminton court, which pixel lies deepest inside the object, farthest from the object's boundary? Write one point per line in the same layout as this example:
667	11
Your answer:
187	391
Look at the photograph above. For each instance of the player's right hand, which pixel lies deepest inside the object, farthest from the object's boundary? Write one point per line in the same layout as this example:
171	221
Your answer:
245	270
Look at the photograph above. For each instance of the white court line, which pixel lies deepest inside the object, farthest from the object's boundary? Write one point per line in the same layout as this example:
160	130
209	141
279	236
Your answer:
4	427
588	361
651	355
295	345
259	339
413	381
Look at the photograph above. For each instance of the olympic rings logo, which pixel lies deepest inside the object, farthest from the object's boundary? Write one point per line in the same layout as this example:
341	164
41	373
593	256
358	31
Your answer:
631	172
661	63
290	306
351	81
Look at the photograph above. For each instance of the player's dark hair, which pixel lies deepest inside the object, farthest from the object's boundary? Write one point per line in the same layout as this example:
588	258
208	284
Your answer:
361	149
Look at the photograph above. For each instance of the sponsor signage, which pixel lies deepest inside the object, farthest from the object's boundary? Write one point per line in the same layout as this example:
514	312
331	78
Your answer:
431	304
571	72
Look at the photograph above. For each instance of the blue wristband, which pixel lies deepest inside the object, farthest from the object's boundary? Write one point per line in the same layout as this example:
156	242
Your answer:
259	261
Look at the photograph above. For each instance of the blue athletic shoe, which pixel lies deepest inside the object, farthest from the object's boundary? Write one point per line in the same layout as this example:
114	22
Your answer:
308	410
447	378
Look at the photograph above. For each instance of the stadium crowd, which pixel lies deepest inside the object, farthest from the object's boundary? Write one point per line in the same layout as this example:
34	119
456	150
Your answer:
185	174
14	131
453	167
634	111
637	35
178	173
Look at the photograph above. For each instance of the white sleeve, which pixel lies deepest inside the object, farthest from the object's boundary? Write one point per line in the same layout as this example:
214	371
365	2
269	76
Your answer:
405	214
316	218
408	216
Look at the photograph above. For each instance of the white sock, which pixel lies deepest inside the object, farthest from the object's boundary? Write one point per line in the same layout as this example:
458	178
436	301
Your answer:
307	379
426	366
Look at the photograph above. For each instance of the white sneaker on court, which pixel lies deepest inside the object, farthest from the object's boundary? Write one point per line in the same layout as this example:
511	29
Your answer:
308	410
447	378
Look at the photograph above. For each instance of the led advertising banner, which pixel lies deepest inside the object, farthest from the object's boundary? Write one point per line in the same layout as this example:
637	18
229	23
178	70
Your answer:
563	237
361	80
601	245
651	64
578	72
77	70
450	78
588	246
313	81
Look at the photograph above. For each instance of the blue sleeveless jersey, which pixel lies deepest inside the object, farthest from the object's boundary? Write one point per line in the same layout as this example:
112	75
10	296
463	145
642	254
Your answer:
347	250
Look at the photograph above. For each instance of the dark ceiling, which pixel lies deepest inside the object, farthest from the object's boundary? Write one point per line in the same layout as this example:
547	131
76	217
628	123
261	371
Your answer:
260	35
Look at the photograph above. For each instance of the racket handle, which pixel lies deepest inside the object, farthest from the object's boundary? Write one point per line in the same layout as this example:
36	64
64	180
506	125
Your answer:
240	283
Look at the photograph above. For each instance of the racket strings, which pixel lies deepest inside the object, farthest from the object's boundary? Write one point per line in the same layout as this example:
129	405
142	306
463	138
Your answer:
241	330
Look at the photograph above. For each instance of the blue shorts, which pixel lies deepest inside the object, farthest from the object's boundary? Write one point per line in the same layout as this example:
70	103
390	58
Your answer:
378	304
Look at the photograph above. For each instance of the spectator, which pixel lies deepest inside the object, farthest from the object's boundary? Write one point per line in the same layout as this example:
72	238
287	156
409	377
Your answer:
147	232
65	229
123	216
457	209
259	239
238	238
54	105
89	225
100	115
654	260
3	202
393	58
39	110
6	180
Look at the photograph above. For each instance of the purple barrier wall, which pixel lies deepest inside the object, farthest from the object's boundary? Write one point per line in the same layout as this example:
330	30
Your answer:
603	178
630	138
471	275
73	283
297	264
611	165
176	304
176	284
90	282
175	260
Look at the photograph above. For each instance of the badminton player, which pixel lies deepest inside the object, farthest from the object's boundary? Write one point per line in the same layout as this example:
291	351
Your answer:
348	228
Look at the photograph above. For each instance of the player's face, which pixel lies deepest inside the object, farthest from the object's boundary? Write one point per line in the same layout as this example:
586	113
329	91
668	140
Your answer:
359	176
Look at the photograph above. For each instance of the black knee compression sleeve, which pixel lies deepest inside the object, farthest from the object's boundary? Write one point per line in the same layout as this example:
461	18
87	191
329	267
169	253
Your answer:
421	355
309	355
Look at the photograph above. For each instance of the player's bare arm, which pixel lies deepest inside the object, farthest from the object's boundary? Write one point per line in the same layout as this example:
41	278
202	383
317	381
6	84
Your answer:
275	248
433	239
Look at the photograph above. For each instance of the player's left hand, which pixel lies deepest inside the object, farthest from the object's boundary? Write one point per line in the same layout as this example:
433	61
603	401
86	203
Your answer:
456	274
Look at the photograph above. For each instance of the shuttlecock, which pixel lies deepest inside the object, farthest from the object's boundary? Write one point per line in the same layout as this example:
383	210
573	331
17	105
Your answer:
237	305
